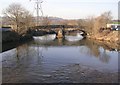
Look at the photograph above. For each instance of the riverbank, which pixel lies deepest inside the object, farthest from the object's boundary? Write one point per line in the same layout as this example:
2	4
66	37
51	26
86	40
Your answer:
110	36
11	39
106	36
10	45
11	36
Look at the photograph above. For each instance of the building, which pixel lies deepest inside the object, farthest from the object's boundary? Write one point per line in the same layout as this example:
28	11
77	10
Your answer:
113	26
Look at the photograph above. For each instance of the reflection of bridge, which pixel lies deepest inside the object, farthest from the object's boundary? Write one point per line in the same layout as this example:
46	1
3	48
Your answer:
57	29
93	45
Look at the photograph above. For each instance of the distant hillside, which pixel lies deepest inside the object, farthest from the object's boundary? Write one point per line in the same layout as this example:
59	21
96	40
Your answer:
52	20
56	20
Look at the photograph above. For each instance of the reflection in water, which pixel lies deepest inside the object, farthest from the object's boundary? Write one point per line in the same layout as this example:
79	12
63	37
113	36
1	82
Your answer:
36	58
46	38
104	57
83	49
86	48
74	38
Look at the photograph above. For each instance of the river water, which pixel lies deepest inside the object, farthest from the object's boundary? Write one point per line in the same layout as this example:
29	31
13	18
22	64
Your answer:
56	61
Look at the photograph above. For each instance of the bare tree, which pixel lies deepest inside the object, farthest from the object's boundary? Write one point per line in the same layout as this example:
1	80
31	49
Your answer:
90	24
87	24
72	22
93	25
101	21
46	21
81	22
64	22
19	17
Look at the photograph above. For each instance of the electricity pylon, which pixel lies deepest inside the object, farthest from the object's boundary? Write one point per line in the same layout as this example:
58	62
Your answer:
38	9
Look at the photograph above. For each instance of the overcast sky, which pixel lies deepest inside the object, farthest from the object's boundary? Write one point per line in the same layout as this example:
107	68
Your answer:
68	9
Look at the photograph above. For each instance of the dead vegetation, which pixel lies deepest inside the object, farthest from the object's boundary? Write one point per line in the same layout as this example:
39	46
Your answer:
96	27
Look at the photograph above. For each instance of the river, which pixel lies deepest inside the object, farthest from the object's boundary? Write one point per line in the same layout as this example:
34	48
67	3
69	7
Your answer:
59	61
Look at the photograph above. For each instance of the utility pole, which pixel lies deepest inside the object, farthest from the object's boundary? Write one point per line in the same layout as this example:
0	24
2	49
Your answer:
38	9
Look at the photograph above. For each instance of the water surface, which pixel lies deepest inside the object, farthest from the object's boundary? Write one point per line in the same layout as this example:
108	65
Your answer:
36	59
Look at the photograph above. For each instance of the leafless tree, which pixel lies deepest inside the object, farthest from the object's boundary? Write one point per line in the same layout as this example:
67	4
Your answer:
101	21
92	25
46	21
19	17
87	24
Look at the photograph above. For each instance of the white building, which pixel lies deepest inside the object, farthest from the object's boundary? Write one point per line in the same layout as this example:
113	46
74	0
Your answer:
112	25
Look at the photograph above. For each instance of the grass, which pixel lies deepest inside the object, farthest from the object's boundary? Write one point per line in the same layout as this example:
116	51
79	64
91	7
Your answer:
116	22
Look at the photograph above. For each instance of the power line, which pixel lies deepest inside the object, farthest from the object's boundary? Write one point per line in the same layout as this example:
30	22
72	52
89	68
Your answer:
38	10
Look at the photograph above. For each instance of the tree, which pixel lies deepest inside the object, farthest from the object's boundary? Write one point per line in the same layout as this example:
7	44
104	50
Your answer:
19	17
81	23
87	24
101	21
93	25
46	21
64	22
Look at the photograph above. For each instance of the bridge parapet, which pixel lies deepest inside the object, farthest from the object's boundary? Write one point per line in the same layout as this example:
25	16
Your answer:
55	26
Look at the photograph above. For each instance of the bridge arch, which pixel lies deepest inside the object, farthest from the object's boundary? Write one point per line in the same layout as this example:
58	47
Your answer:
58	29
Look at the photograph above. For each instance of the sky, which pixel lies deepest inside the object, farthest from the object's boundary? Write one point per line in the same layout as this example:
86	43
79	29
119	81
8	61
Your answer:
68	9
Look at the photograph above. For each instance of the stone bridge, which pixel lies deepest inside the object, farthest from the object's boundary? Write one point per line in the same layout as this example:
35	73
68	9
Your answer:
60	30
